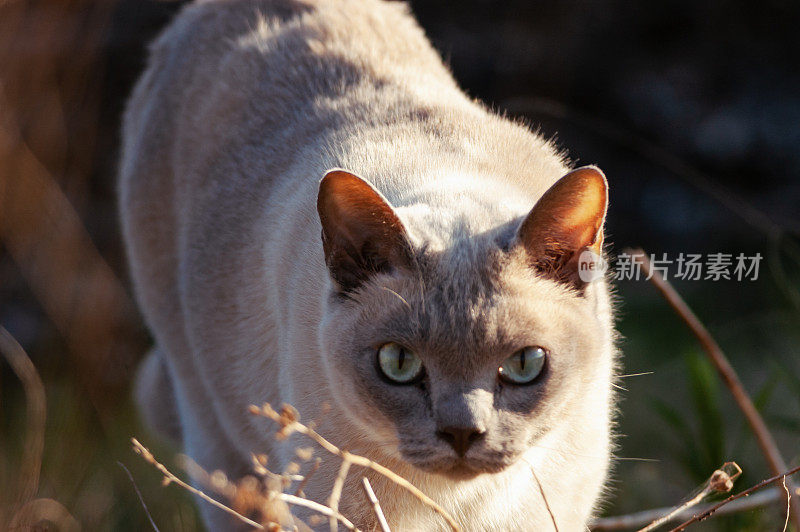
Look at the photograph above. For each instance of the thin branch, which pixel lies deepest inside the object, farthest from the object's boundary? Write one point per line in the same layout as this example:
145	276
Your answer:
259	467
638	519
763	436
788	504
228	490
169	478
691	503
139	494
706	514
336	491
299	490
288	418
720	482
376	505
219	482
317	507
36	416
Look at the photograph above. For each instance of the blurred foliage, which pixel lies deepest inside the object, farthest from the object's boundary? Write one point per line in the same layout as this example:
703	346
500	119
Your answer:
80	467
702	442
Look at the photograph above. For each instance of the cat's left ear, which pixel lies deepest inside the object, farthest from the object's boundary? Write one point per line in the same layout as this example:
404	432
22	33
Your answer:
361	233
567	220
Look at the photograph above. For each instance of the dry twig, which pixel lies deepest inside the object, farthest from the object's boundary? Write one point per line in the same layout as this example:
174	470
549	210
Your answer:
170	478
317	507
707	513
376	505
639	519
336	492
721	481
788	505
299	490
288	419
220	484
264	502
763	436
36	416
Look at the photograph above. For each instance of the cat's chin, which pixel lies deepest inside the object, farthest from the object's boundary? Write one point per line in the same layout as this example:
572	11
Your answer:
460	469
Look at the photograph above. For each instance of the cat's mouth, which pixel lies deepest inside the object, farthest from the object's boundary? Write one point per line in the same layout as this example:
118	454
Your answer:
462	471
481	459
460	468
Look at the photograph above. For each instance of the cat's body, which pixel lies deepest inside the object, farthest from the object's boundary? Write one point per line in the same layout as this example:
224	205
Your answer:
245	106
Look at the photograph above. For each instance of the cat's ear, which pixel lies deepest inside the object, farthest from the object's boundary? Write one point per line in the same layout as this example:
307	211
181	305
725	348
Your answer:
567	220
361	233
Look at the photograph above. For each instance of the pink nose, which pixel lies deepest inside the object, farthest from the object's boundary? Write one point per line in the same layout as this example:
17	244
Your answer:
460	438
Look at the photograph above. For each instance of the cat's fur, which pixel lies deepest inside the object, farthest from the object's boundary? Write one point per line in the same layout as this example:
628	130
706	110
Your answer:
245	106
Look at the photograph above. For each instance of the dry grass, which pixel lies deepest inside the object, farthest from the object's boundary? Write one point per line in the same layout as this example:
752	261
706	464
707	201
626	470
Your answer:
264	498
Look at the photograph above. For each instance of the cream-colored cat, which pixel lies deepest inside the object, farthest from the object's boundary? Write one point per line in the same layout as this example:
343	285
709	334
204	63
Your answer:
430	293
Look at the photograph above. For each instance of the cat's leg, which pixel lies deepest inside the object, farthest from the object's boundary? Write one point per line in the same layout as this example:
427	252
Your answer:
191	427
208	445
155	395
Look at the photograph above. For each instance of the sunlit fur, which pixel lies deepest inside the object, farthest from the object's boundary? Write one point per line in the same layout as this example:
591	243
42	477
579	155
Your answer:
244	107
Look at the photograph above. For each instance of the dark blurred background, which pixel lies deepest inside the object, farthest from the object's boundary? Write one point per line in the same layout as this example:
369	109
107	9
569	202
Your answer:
691	108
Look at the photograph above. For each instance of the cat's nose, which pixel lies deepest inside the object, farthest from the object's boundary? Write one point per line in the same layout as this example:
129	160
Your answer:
460	438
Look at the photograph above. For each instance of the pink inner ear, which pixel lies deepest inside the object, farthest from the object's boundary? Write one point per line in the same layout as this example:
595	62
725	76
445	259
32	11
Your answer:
583	219
361	232
349	205
569	216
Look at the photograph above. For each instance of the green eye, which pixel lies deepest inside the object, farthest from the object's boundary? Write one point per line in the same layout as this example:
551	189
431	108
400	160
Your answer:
398	363
523	366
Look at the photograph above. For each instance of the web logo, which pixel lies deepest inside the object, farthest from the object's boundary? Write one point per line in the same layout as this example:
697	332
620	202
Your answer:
591	266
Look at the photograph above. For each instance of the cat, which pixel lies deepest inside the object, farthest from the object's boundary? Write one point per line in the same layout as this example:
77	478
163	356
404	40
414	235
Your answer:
316	214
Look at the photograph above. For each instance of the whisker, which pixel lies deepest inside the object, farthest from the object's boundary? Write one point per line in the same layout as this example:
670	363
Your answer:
621	458
635	374
634	459
618	387
399	297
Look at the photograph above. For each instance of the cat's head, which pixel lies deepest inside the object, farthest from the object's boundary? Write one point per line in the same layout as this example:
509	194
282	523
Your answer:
458	358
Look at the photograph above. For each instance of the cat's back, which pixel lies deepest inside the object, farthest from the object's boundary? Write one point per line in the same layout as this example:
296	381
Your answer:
227	68
249	84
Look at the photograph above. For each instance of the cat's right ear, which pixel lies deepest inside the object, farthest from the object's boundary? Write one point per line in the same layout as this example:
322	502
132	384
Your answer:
361	233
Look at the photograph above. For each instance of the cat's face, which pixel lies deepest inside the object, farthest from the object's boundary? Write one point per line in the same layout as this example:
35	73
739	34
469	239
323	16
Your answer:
465	324
456	360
